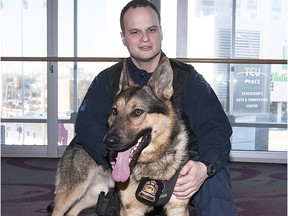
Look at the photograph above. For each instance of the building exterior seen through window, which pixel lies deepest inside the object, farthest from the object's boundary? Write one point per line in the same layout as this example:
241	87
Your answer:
249	93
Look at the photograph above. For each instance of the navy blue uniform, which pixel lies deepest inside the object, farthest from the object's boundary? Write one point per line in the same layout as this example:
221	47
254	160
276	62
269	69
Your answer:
207	120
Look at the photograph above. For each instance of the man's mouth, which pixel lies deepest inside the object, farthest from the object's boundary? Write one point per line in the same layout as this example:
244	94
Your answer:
145	48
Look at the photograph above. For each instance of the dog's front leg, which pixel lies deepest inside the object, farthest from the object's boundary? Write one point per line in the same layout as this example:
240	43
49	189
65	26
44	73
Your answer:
177	207
129	204
134	208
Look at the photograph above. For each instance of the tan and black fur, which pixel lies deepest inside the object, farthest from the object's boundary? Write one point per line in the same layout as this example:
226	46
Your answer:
79	181
144	124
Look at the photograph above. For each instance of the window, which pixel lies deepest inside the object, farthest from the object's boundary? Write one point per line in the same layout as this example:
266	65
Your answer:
252	4
23	33
254	96
276	5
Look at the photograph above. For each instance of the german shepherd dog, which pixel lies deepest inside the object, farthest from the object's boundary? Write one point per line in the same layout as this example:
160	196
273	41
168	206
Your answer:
147	141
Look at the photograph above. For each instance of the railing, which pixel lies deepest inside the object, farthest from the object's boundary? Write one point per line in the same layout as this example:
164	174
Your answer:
116	59
72	121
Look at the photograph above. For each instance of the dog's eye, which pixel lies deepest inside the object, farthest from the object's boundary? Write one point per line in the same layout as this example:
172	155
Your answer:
114	111
138	112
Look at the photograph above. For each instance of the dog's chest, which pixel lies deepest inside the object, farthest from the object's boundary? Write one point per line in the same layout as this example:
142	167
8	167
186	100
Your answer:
157	170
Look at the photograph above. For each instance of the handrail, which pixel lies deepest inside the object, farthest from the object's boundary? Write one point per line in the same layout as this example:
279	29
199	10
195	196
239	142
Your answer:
34	120
259	124
117	59
72	121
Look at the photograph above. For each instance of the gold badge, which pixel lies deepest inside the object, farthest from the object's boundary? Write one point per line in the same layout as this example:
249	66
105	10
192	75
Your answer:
149	190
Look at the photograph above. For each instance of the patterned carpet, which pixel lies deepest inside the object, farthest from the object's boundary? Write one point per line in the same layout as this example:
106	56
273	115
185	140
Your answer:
27	186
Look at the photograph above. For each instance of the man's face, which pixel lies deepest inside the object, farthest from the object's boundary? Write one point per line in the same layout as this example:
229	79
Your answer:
142	34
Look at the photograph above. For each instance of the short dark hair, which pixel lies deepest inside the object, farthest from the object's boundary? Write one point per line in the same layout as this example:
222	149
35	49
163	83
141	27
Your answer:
135	4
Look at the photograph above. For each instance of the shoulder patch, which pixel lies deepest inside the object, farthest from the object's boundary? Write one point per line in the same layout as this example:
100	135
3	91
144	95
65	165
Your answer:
83	105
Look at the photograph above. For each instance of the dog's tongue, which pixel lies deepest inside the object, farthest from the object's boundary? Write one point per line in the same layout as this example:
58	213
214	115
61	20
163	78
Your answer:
121	170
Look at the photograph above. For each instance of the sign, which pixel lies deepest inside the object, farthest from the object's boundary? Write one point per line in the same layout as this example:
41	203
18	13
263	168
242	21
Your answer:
279	85
251	88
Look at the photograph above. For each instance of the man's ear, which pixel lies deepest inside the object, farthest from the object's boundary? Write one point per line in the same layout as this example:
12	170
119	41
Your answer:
162	80
123	38
161	33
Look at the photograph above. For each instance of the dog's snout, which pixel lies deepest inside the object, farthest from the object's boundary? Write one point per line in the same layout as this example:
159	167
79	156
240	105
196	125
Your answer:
111	141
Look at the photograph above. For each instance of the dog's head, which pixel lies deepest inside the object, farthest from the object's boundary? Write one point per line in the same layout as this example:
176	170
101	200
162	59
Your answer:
141	121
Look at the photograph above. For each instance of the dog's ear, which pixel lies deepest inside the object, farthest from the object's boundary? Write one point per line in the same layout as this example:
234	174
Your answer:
125	78
162	80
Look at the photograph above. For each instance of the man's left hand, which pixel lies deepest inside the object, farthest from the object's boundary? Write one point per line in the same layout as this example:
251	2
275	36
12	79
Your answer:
190	179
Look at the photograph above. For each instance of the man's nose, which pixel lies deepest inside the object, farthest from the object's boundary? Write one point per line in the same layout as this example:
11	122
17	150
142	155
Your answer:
145	37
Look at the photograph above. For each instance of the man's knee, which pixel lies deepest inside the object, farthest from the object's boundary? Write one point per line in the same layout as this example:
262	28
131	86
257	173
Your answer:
217	207
215	196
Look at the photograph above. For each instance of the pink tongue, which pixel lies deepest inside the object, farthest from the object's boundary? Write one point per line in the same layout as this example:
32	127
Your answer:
121	170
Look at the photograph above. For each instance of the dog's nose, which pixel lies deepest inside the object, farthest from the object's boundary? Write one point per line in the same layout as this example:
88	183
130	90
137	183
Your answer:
111	141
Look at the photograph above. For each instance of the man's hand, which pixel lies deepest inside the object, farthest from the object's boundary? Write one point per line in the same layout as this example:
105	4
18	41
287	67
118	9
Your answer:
190	179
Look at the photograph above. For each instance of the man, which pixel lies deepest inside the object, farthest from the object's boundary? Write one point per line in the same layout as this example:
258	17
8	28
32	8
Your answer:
205	178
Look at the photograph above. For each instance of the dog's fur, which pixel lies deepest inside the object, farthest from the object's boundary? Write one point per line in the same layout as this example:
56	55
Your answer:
144	124
79	181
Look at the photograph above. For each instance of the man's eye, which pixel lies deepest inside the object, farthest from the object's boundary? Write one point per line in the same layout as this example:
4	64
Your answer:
134	32
151	30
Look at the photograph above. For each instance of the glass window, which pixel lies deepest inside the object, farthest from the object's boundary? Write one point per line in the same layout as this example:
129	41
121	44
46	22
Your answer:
169	26
252	4
97	35
23	28
276	5
24	95
213	41
66	38
99	28
251	94
23	33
